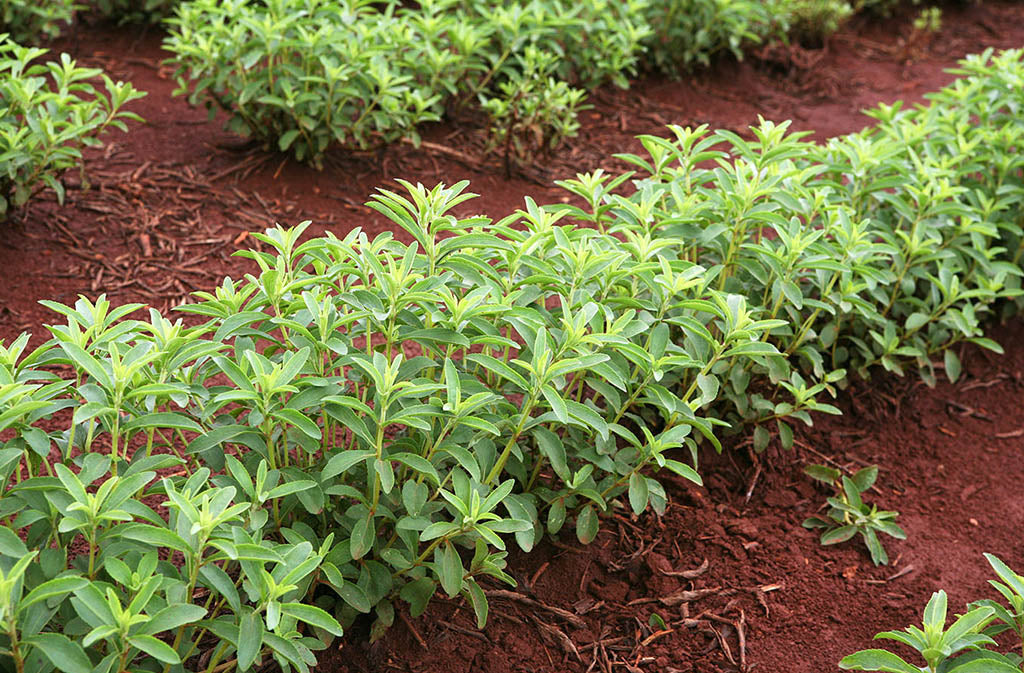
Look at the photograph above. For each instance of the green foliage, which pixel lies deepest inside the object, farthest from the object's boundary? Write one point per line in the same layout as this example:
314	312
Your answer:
1008	617
533	112
812	21
306	75
363	421
30	22
849	515
49	111
964	646
690	32
884	247
135	11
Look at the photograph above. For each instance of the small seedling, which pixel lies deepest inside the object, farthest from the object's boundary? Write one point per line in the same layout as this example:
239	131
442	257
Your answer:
971	632
937	645
848	514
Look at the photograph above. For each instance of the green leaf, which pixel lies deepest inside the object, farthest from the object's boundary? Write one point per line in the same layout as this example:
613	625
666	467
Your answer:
876	660
478	601
587	525
58	586
418	594
953	366
157	649
450	570
837	535
11	545
341	462
250	639
67	655
313	616
638	493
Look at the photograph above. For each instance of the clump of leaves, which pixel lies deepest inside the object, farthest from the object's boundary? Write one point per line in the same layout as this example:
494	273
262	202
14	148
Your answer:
135	11
812	21
1008	617
30	22
686	33
49	111
849	515
965	647
533	112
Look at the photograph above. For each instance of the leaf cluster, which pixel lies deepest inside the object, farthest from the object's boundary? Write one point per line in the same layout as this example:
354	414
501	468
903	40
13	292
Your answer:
967	645
849	515
50	111
887	247
30	22
308	75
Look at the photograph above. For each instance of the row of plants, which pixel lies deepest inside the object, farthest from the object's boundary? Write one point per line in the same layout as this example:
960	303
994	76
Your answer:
303	76
362	422
32	22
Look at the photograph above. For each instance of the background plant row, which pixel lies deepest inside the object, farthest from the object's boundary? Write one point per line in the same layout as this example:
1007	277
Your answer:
304	75
363	421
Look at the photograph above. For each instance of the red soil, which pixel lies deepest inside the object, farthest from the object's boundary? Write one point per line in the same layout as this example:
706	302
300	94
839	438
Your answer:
171	201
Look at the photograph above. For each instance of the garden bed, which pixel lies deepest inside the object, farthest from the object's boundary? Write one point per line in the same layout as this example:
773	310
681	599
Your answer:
172	200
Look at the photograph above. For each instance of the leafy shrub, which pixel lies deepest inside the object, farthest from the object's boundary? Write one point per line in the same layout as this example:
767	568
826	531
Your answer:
301	75
29	22
362	421
690	32
812	21
965	646
135	11
48	112
305	76
879	248
849	515
533	112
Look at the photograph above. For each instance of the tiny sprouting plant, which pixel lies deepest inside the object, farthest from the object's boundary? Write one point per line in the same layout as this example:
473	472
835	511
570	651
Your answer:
965	646
929	20
849	515
50	111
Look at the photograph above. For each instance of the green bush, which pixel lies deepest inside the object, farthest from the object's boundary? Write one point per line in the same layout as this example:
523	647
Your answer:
690	32
812	21
49	111
362	421
29	22
533	112
305	75
135	11
887	247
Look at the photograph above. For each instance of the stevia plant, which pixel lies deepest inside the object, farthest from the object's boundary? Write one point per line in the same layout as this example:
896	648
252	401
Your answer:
533	112
686	33
50	111
359	422
32	22
967	645
848	514
879	248
938	646
1008	617
135	11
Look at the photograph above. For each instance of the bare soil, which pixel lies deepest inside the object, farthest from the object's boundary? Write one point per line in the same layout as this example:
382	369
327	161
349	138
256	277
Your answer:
170	201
